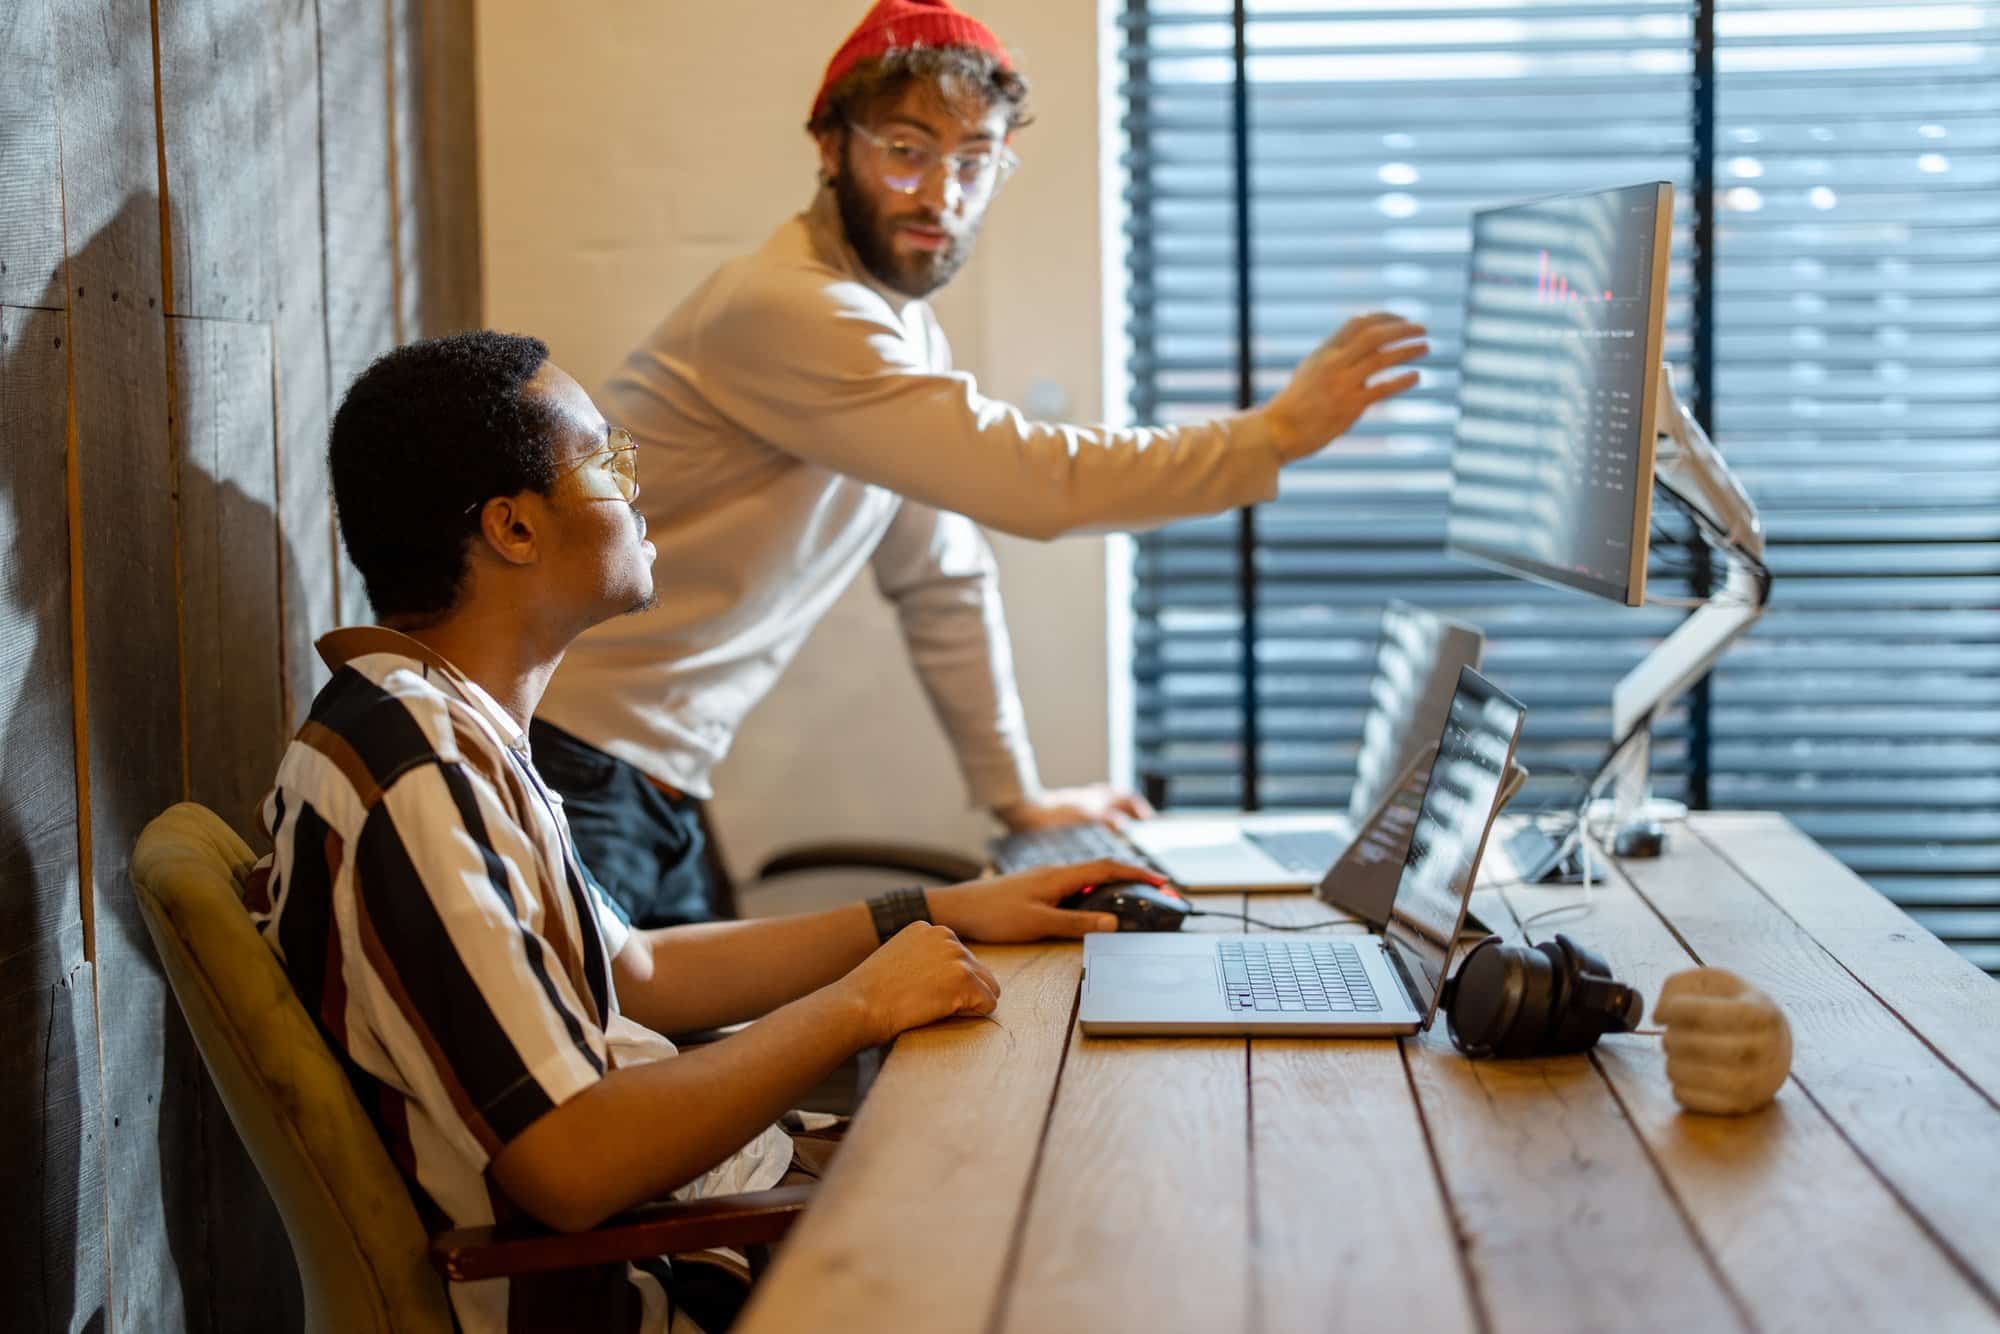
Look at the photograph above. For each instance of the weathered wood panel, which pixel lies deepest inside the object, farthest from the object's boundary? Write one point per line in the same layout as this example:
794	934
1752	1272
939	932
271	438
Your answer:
437	169
131	680
229	574
30	161
357	190
239	90
51	1180
305	502
219	126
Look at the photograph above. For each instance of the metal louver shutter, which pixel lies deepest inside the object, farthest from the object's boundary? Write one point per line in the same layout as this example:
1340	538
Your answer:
1337	154
1371	137
1857	393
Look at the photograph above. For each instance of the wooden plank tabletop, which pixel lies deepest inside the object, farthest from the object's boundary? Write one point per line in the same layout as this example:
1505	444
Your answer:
1018	1176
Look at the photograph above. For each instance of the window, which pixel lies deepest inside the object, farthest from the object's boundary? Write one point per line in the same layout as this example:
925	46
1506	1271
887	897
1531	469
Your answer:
1299	163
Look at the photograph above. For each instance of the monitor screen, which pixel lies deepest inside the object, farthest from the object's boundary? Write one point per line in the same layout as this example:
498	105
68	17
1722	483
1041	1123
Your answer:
1459	803
1552	468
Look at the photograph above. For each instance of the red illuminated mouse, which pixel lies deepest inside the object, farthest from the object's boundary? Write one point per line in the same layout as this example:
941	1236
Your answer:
1137	906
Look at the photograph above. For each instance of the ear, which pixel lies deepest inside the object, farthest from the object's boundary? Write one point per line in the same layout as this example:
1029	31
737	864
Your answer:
832	143
508	528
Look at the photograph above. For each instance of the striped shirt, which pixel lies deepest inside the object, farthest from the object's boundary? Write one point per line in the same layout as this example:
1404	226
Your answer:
428	905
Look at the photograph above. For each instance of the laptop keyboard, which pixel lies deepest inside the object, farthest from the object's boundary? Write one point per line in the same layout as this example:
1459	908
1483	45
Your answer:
1062	846
1304	852
1323	975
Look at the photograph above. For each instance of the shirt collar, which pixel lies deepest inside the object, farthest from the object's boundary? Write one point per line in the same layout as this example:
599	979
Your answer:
339	647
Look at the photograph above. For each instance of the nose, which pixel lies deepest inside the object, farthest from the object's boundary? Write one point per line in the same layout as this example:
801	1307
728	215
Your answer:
940	190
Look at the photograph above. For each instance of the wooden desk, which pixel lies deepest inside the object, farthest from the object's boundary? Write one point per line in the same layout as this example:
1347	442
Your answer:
1018	1177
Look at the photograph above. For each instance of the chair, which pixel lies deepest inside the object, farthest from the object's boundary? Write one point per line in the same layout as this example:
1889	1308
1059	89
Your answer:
934	864
367	1265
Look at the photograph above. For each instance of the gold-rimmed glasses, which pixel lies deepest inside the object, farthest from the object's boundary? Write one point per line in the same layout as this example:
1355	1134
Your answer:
618	456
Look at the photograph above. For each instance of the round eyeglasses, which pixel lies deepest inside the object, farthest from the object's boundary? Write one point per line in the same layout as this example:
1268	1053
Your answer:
905	164
619	457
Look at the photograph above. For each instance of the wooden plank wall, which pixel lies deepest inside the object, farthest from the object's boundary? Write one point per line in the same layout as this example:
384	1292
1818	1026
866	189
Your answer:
203	207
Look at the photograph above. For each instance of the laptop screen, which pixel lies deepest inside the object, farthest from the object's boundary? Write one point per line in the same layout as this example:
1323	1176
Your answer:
1459	803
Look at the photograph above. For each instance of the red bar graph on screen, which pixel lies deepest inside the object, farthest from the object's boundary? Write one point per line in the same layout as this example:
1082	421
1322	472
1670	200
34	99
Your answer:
1552	288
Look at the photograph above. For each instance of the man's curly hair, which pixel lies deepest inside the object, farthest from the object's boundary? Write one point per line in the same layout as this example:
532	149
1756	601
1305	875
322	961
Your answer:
426	432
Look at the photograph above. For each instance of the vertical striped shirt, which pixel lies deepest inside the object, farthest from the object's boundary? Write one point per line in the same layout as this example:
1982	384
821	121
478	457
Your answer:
429	907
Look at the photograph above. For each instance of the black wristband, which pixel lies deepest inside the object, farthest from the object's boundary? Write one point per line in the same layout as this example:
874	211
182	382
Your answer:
895	910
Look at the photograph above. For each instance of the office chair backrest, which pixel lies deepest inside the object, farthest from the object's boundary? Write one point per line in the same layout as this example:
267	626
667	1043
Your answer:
361	1248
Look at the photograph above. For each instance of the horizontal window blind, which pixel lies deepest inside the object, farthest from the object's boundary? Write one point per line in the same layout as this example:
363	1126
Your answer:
1857	392
1867	706
1372	135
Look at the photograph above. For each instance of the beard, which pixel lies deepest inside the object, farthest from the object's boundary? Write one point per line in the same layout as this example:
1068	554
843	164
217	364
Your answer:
651	597
873	237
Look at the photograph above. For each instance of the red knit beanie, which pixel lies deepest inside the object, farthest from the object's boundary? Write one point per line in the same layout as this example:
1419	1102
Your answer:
893	24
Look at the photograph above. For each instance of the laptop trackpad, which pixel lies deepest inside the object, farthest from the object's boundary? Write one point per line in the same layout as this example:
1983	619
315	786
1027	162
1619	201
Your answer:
1169	974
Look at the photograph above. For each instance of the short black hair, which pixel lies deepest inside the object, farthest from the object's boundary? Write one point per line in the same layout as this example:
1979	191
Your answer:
959	74
427	431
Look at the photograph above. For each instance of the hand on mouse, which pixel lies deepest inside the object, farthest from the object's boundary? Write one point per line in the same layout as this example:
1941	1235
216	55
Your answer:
1728	1045
922	974
1022	906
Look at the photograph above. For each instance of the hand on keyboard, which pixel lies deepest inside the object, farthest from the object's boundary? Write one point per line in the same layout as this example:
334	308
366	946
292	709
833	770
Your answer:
1093	803
1064	845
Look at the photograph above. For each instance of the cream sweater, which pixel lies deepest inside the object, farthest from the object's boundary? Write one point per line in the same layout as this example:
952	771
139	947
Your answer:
796	422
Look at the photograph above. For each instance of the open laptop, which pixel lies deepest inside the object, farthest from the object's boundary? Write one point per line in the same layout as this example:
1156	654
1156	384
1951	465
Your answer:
1303	984
1418	655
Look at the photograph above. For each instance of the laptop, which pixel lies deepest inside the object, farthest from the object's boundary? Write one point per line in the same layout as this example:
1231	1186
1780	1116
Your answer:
1418	655
1309	984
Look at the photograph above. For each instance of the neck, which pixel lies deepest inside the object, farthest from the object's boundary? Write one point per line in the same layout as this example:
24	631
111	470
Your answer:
507	658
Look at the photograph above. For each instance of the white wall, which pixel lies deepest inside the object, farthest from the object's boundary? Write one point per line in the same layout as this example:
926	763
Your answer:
623	158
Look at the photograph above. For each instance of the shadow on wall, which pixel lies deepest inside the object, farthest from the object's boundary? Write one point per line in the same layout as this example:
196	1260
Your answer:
51	1179
230	1271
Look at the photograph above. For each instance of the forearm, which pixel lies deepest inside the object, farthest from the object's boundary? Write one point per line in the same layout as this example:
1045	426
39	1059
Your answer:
642	1131
679	979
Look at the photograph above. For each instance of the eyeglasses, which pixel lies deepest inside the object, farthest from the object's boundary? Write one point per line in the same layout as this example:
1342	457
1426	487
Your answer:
620	458
905	164
623	463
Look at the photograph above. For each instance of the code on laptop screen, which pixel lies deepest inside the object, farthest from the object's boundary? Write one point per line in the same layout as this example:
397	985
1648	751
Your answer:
1459	802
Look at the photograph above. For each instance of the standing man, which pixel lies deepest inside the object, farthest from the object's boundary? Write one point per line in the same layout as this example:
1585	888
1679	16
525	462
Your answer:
804	401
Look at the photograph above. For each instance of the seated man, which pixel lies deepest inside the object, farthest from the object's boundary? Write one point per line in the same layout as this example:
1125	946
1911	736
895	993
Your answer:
499	1021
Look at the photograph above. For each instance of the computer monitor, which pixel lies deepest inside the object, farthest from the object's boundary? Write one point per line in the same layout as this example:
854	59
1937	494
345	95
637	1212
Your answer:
1568	420
1558	398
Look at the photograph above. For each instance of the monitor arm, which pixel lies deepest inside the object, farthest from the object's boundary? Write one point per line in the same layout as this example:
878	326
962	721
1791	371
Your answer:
1688	466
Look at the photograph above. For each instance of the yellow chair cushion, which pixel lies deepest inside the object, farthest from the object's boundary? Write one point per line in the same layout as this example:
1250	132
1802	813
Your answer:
361	1248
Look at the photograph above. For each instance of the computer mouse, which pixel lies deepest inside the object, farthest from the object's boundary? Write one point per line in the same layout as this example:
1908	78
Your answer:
1641	838
1137	906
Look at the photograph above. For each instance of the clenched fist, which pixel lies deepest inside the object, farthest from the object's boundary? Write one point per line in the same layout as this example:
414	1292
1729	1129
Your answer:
1728	1045
922	974
1331	388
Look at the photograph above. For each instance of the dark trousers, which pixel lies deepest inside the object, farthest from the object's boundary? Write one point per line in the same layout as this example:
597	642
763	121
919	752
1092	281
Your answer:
643	845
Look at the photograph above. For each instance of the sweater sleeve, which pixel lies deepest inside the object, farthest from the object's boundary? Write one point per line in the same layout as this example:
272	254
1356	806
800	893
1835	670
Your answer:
939	572
823	370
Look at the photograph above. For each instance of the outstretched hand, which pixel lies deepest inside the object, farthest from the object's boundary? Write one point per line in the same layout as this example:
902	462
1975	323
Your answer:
1022	906
1334	385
